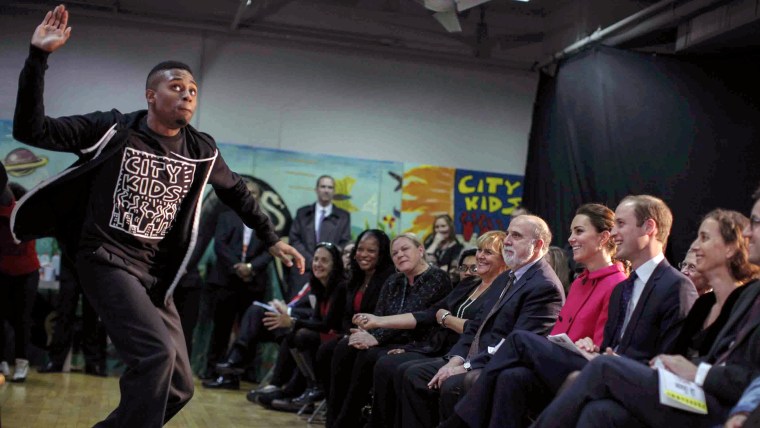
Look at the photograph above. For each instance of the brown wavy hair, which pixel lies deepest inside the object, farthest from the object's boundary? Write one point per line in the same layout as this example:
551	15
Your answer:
731	224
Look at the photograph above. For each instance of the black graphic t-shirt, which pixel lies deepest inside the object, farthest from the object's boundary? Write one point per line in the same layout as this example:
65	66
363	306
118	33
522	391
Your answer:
136	197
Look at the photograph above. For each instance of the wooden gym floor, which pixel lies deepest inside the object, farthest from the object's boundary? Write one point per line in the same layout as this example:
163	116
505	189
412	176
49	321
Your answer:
73	400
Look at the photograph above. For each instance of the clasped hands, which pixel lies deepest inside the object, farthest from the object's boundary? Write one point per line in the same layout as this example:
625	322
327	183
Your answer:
360	339
590	350
279	319
244	271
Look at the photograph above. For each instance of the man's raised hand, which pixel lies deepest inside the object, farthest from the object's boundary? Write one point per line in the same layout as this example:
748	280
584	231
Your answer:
53	32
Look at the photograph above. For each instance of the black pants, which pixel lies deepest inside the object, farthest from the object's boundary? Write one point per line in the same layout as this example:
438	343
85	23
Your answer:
615	391
388	378
524	374
158	381
286	373
230	303
324	363
93	332
187	298
423	407
17	294
352	381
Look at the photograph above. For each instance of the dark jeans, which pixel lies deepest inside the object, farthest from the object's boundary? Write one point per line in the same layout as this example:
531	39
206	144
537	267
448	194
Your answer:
158	381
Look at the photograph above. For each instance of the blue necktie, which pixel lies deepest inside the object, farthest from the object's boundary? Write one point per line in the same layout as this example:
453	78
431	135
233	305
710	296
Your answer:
625	300
319	223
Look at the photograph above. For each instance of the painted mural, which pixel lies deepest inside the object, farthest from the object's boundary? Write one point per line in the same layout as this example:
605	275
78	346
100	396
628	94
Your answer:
392	196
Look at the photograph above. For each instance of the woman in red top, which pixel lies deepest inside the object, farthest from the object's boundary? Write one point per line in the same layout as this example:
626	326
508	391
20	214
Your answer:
328	285
19	278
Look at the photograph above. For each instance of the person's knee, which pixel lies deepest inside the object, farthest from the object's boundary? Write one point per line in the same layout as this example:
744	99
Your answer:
470	378
185	391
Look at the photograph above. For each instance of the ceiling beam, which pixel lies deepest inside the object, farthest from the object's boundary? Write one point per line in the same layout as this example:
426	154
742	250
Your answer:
239	14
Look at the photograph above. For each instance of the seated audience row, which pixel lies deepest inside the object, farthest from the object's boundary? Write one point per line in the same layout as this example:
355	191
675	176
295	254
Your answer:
499	368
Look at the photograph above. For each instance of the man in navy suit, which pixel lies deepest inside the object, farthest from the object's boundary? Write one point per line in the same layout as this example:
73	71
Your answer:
617	392
646	312
315	223
531	298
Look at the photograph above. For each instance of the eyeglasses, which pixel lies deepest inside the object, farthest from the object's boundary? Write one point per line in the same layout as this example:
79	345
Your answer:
325	244
465	268
754	221
688	267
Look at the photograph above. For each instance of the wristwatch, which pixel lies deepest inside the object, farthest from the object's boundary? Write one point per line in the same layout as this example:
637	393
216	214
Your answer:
467	366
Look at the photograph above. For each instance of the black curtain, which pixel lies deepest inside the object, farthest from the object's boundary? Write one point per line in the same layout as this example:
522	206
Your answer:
611	123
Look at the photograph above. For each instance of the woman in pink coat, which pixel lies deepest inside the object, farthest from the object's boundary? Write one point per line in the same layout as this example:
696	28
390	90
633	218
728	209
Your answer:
585	311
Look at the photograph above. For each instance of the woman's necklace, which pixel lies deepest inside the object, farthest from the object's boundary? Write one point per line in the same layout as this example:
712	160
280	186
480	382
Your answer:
478	291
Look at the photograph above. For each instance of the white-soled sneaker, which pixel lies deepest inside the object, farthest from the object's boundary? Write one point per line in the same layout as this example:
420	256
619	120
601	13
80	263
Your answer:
5	369
21	370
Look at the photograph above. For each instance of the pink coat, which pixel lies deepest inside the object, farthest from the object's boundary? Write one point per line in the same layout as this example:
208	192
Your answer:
585	311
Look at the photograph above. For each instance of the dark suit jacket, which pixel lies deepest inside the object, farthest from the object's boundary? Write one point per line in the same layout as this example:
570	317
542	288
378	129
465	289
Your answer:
728	382
532	303
656	322
228	247
336	228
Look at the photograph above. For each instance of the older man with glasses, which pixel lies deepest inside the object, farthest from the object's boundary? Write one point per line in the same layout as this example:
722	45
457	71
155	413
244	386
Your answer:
688	267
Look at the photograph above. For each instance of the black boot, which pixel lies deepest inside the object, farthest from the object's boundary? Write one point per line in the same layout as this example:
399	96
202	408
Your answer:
314	392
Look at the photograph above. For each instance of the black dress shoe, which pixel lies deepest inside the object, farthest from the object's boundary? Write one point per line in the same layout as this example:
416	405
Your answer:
265	399
223	382
288	405
51	368
253	394
310	396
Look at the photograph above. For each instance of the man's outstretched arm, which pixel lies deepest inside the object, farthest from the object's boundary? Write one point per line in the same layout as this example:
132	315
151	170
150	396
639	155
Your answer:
30	125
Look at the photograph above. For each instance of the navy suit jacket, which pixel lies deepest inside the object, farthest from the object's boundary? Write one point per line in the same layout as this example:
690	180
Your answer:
228	247
658	317
532	303
336	228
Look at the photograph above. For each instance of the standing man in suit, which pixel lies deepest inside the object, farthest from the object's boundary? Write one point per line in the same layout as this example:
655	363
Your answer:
646	312
616	392
238	278
318	222
531	299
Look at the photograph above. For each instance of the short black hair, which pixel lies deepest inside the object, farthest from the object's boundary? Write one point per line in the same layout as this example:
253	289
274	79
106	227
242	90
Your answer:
166	65
467	253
